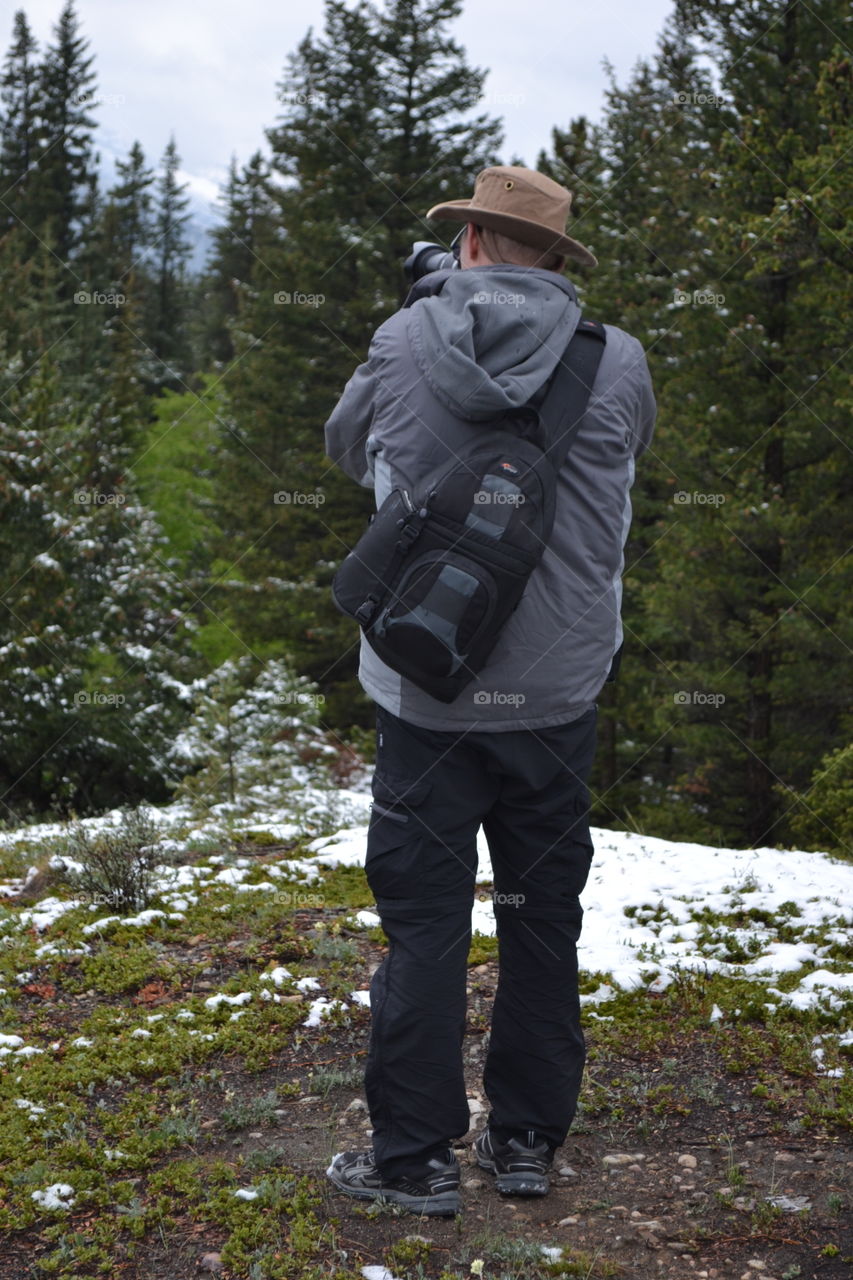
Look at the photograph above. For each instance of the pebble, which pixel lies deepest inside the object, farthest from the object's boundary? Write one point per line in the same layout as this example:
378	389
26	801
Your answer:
784	1157
473	1184
756	1264
568	1222
357	1104
567	1171
619	1159
790	1204
688	1161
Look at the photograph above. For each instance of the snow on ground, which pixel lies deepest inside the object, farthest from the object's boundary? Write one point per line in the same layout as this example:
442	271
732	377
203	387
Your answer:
677	896
653	908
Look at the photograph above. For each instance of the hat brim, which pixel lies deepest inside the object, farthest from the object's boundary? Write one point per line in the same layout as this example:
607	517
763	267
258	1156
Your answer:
532	233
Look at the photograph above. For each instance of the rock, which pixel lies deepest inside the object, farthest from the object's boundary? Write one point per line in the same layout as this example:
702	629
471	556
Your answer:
784	1157
618	1211
567	1171
619	1159
756	1264
473	1184
688	1161
357	1104
210	1262
568	1222
790	1204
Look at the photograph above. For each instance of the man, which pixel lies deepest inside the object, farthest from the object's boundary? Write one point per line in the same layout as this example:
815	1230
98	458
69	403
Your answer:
513	751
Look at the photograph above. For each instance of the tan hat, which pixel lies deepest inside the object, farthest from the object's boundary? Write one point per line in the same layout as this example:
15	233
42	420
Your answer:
522	204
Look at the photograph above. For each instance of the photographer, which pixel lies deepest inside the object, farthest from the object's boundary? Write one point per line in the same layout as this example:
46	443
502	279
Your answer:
512	753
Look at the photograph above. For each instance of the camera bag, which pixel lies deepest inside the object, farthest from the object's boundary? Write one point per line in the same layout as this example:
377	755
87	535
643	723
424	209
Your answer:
435	576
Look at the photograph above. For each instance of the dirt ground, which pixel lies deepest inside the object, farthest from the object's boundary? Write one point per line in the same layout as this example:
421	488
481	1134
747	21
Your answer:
667	1172
645	1203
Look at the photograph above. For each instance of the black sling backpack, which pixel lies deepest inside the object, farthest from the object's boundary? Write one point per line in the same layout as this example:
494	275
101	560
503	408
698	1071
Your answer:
435	577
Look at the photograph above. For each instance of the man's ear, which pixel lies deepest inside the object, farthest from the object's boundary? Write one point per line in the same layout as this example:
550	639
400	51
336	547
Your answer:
470	246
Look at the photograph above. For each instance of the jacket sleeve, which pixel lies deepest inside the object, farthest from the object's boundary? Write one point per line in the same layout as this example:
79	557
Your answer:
646	409
347	429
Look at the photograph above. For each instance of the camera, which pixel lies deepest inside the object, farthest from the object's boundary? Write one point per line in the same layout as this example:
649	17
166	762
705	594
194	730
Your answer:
427	257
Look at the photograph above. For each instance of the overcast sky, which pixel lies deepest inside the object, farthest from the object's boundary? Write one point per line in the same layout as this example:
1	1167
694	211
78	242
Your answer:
209	72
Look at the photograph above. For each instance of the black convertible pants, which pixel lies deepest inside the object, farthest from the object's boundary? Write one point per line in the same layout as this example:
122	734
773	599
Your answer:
432	792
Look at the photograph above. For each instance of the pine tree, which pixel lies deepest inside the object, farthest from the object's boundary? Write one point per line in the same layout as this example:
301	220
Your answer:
127	223
166	330
64	167
247	227
372	135
19	146
749	565
93	642
639	195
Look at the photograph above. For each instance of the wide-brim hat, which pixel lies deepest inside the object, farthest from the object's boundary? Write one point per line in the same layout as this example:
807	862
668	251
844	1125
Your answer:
523	204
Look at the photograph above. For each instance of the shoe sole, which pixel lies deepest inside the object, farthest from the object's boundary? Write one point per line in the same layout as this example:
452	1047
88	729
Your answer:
446	1204
517	1184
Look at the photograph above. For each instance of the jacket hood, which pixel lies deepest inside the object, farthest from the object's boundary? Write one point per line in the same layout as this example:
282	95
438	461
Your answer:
493	335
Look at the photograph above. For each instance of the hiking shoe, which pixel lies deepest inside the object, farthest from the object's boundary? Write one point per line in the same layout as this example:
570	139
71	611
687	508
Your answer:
520	1168
434	1192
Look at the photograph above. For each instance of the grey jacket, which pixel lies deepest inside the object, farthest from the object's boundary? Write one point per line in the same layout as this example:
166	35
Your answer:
435	372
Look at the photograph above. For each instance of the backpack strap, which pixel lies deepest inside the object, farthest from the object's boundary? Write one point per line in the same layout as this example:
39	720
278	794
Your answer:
566	402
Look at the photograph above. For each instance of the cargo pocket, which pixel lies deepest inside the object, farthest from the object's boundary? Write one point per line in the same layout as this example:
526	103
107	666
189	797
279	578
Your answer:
581	842
395	837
